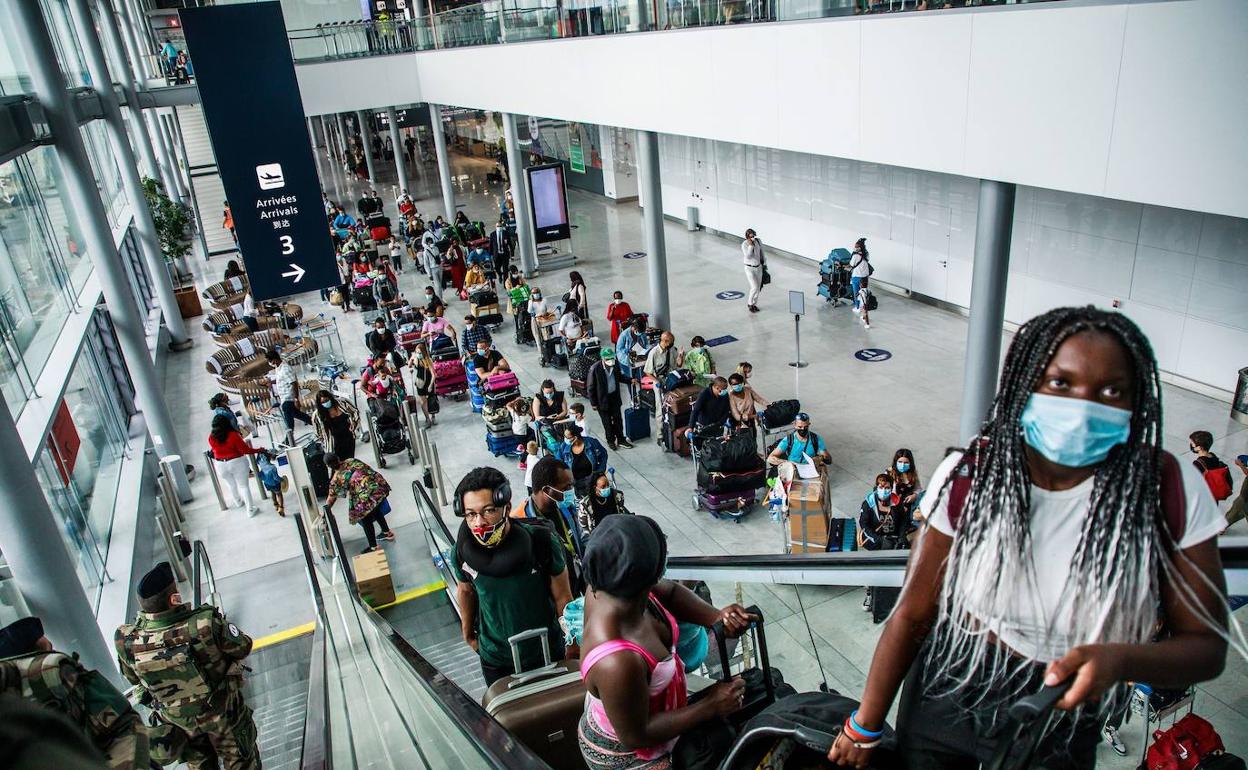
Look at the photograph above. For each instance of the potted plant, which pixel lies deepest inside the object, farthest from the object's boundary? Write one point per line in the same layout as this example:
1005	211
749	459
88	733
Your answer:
172	222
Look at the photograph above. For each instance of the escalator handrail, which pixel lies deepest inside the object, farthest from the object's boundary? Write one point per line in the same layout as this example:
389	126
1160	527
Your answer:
426	510
201	568
425	503
317	741
492	740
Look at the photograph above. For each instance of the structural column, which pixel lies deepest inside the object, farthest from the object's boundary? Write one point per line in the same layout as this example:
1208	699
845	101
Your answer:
444	162
144	226
366	137
400	164
520	197
346	140
116	51
31	540
86	208
989	276
652	223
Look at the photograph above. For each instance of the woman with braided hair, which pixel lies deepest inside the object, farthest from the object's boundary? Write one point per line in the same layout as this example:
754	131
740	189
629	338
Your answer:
1058	544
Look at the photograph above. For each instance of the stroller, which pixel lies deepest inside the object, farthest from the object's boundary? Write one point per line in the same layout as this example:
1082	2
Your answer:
385	420
728	472
834	284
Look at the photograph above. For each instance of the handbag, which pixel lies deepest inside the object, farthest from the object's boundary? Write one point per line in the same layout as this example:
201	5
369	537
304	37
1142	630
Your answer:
434	406
384	508
766	272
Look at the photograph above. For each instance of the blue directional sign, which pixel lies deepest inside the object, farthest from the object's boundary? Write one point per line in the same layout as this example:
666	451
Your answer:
251	103
873	355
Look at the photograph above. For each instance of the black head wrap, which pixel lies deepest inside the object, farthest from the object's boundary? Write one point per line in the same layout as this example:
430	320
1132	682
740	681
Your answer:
625	556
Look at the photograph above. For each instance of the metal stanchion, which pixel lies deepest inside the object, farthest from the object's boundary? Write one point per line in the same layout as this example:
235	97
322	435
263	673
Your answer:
216	482
169	490
255	473
439	482
171	544
413	432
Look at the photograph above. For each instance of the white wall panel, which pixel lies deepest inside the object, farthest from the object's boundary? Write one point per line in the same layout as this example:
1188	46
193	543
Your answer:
1211	353
1162	278
1018	76
1179	120
1164	330
1143	102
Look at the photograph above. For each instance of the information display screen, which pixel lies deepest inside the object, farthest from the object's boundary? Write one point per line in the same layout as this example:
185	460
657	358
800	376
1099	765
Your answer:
256	124
549	202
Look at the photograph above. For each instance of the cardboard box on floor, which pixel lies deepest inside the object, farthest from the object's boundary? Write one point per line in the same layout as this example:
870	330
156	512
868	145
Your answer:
372	576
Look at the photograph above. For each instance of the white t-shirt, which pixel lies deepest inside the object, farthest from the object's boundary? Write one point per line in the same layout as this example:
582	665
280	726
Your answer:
752	253
1056	523
538	307
570	326
583	424
860	266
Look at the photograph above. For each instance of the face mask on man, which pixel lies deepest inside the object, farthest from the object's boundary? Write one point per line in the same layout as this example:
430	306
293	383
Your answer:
1073	432
803	432
488	535
608	362
882	493
738	388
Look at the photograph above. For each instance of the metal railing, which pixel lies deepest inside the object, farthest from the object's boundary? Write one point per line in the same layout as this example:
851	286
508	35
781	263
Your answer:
201	573
476	25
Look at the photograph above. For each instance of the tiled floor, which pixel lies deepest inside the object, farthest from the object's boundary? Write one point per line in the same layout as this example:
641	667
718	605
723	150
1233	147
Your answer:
864	410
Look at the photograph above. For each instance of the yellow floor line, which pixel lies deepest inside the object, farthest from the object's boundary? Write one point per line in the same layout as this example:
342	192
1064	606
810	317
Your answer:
307	628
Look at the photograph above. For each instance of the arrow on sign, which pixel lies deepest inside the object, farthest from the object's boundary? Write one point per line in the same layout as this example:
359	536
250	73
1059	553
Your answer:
297	272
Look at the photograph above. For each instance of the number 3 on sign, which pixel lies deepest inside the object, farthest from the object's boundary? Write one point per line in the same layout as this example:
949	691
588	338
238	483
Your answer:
288	244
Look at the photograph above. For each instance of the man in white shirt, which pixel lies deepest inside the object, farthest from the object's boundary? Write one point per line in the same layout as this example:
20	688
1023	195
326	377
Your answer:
752	252
286	386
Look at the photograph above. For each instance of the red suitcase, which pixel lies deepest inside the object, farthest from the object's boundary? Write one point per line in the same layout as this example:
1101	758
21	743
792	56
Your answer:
379	233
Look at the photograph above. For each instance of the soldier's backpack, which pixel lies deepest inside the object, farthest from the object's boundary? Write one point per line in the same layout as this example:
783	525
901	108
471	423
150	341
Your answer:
59	682
169	663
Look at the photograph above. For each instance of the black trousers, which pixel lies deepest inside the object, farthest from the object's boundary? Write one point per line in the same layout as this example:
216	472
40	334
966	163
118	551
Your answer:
375	518
612	421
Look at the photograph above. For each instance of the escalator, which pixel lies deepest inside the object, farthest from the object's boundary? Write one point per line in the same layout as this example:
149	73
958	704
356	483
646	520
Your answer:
399	688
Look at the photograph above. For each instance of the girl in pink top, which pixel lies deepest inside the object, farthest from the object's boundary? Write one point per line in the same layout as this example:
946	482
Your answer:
636	705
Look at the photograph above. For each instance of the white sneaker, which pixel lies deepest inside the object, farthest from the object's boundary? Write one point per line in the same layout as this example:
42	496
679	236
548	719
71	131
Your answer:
252	511
866	325
1115	742
236	503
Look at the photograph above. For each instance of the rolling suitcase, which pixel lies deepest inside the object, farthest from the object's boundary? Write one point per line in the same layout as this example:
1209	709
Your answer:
542	709
882	602
314	458
501	381
502	445
674	440
636	423
728	503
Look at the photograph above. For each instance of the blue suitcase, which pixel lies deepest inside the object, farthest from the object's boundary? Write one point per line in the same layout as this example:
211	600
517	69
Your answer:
503	446
636	423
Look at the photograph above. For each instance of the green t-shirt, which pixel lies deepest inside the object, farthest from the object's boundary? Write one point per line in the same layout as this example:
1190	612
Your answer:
518	602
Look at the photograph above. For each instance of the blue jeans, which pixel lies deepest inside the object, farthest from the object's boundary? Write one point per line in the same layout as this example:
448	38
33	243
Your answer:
855	283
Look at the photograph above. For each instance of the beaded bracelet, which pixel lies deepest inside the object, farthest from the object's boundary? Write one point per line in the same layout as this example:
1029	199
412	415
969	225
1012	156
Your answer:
853	722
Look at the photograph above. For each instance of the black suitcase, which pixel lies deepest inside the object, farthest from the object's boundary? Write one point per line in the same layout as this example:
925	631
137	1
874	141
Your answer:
636	423
882	602
314	458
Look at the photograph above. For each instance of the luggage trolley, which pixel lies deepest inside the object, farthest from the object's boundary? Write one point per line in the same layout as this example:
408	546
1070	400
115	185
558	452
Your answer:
389	428
834	285
721	505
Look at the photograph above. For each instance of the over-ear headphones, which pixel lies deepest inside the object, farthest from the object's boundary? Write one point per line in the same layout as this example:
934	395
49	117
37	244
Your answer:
501	499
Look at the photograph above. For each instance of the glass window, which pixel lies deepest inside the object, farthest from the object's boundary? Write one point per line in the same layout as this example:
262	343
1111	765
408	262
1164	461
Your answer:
136	271
68	50
33	301
14	75
80	466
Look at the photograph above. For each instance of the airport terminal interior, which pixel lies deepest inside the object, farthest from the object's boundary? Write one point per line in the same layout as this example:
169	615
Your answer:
909	340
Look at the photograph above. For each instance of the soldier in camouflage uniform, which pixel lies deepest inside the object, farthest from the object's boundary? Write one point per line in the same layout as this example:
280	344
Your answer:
187	663
31	670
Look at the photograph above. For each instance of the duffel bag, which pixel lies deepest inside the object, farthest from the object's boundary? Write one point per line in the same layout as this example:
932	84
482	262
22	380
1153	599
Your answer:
781	412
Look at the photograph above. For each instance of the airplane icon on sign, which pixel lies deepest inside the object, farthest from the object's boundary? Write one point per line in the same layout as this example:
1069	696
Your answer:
270	176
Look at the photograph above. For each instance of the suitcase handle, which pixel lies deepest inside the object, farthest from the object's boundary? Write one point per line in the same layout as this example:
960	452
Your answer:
533	633
546	671
1014	749
721	644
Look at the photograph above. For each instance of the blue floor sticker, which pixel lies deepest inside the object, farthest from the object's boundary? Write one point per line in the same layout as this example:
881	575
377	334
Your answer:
872	355
720	340
730	295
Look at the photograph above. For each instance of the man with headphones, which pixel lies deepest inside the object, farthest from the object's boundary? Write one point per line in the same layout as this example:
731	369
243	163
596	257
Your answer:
512	577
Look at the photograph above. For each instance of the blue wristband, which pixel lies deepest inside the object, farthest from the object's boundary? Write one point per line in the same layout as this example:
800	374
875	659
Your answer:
864	732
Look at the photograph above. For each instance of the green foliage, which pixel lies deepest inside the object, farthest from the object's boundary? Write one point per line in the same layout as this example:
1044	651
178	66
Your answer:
172	220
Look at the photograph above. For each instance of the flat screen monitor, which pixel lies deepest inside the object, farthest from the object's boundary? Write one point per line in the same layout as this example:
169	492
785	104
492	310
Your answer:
549	201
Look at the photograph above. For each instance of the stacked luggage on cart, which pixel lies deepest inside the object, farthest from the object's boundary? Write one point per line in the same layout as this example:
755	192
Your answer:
587	354
362	293
499	390
475	397
729	472
450	377
483	303
378	226
674	418
834	277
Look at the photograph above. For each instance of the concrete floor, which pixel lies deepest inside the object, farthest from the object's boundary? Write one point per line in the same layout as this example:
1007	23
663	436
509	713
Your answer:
863	410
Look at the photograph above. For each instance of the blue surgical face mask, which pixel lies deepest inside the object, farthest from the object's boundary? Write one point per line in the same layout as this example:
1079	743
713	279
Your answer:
569	441
738	388
882	494
903	466
1073	432
604	493
327	404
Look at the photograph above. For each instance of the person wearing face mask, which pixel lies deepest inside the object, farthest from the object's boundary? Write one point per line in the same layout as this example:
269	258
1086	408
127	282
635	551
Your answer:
905	476
606	382
434	306
618	313
801	443
585	455
1215	472
1054	547
542	318
663	358
379	380
632	348
549	407
336	424
552	506
502	247
882	519
381	342
473	334
604	500
744	402
488	361
755	265
431	258
712	408
512	576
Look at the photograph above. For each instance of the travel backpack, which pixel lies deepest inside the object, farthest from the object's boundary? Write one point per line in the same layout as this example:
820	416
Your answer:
1218	479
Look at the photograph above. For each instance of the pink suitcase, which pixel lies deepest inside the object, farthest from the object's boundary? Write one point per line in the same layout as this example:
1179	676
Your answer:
731	505
501	381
